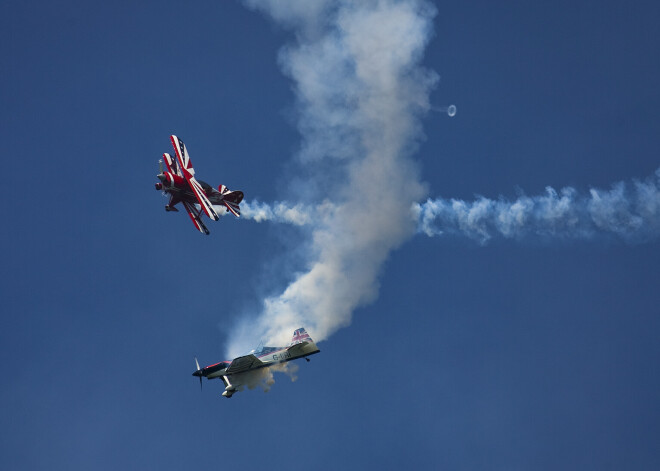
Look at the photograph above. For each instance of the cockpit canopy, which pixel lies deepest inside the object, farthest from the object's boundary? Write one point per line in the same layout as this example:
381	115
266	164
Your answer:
207	188
261	350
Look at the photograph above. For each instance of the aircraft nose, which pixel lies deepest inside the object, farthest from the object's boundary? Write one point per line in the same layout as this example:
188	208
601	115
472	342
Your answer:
197	373
161	177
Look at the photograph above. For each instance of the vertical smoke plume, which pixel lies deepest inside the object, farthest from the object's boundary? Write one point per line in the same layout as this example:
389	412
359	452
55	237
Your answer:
360	92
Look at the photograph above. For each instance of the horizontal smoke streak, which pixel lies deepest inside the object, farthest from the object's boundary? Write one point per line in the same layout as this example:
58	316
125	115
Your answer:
298	215
628	211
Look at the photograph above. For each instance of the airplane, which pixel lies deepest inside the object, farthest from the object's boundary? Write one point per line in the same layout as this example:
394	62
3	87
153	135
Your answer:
180	182
233	372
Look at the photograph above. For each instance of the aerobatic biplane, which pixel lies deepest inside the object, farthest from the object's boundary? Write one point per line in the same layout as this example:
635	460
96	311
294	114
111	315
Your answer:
197	197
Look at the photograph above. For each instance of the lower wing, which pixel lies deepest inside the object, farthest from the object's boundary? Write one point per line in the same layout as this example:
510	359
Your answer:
195	217
203	200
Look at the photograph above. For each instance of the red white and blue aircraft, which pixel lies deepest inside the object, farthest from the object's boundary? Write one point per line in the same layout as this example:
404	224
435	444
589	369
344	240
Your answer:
198	197
233	373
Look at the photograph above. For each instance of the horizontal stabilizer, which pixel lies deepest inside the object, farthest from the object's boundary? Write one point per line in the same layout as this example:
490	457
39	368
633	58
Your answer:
298	345
233	196
300	348
233	208
302	344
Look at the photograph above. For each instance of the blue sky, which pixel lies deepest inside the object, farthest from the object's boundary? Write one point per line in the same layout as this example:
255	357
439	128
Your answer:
531	353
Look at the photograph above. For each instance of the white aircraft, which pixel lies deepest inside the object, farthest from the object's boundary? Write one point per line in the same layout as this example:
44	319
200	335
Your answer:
233	372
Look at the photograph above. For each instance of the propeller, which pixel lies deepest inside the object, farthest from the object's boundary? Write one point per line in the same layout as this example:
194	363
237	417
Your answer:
199	370
160	175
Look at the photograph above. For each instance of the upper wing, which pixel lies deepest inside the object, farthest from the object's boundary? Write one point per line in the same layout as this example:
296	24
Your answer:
182	156
244	363
189	173
194	217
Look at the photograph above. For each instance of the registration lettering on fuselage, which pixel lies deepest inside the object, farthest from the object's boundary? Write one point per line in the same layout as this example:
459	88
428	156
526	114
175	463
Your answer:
281	356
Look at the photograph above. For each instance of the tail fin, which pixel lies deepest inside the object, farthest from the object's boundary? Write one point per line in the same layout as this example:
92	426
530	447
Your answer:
300	336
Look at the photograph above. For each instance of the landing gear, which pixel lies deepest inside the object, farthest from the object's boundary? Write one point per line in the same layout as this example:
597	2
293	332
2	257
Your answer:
230	389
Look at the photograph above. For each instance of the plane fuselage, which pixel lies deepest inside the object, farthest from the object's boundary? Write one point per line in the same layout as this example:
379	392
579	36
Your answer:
234	373
270	358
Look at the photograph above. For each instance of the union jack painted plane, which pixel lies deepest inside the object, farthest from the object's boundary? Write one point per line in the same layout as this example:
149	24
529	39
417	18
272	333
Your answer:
180	183
233	372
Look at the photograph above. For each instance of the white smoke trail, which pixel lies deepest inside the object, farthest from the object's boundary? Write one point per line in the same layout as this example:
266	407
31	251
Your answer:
263	377
281	212
630	212
360	91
